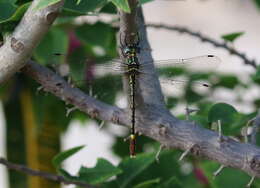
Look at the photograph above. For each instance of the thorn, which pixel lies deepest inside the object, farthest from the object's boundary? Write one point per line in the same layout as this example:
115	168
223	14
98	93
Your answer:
69	110
189	111
158	153
185	153
91	91
216	173
126	139
39	89
101	125
244	133
219	130
251	181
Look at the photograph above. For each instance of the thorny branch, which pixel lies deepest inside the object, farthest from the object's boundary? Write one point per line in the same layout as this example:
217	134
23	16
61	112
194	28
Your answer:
203	38
154	120
45	175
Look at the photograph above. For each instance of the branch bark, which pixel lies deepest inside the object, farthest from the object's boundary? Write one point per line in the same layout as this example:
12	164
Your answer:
45	175
53	83
153	119
18	47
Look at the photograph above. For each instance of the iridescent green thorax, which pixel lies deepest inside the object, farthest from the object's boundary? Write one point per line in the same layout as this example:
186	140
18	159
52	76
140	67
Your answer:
130	53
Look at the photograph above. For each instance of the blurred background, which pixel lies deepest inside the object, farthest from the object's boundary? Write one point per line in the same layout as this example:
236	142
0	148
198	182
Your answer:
211	18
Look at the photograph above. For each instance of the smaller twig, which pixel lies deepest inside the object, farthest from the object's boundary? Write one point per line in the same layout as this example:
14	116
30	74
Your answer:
216	173
158	153
185	153
45	175
203	38
69	110
251	181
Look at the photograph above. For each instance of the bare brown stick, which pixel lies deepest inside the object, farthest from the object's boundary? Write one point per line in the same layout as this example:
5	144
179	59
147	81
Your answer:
45	175
203	38
18	46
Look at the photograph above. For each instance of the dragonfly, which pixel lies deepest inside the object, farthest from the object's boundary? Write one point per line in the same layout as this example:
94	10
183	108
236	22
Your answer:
132	67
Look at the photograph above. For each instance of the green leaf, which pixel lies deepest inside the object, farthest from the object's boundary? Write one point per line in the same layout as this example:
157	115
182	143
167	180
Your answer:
122	4
231	37
133	167
59	158
73	8
227	177
171	102
172	182
45	3
148	183
227	114
228	81
144	1
256	76
100	173
6	11
55	41
99	34
257	2
67	175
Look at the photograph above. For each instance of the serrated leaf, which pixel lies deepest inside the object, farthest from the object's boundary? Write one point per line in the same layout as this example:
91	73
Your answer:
231	37
59	158
148	183
100	173
133	167
122	4
45	3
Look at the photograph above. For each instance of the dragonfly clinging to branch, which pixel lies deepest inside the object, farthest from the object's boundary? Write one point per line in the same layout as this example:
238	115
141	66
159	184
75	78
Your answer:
131	67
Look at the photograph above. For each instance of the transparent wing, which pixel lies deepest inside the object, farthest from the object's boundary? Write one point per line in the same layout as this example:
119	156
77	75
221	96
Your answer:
199	63
113	66
177	83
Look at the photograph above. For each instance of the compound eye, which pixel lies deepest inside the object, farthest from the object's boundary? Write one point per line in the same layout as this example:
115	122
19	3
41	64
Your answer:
127	51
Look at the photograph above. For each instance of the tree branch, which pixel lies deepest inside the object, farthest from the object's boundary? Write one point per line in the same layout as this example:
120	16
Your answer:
18	46
153	119
203	38
53	83
45	175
